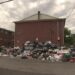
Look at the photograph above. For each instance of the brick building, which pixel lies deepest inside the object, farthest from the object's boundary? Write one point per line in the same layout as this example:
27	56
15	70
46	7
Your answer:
39	25
6	38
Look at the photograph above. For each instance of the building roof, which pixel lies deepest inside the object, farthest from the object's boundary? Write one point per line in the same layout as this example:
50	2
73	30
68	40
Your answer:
38	16
5	30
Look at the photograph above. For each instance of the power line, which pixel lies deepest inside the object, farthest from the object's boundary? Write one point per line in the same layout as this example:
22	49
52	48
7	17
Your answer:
69	14
5	1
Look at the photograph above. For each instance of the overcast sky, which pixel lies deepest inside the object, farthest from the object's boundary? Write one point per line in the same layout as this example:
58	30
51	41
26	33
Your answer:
18	9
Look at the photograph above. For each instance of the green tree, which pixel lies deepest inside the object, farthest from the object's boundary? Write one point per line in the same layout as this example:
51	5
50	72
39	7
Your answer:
68	38
73	35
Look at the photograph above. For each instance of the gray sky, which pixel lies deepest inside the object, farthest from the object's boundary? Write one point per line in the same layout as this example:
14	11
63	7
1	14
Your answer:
18	9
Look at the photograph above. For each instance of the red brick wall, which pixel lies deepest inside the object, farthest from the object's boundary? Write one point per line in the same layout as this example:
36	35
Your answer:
45	30
6	38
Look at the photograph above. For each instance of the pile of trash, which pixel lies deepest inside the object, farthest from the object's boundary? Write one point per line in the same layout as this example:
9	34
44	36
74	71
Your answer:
44	51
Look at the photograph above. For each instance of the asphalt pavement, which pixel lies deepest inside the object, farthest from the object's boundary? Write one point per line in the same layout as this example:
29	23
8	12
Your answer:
17	66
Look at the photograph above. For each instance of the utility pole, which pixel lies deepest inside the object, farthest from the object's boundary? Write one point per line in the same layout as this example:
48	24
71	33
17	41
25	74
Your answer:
5	1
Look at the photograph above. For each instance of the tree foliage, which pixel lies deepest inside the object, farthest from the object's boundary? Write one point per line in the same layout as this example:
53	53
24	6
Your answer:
68	38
